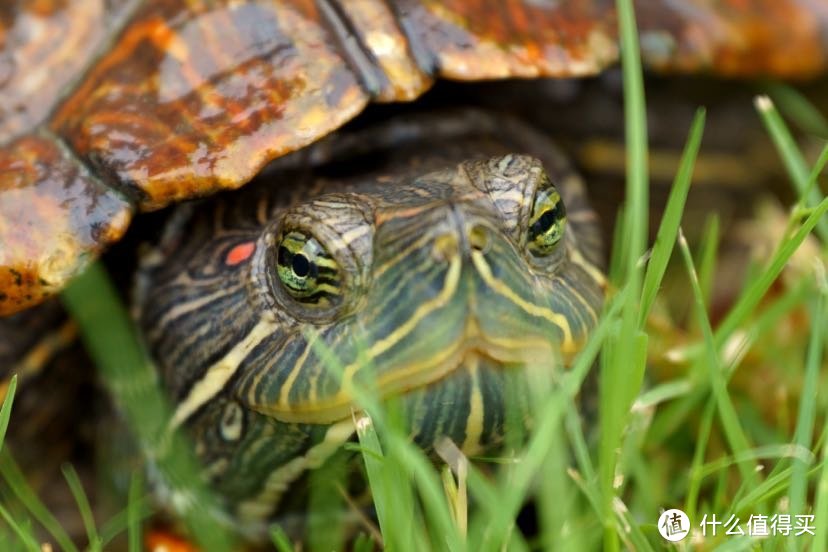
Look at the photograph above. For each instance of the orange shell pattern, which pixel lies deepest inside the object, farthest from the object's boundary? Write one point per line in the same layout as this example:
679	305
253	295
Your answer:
47	198
187	97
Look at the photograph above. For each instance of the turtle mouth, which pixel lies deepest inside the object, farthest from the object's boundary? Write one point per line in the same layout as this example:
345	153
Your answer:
508	356
500	351
507	351
472	347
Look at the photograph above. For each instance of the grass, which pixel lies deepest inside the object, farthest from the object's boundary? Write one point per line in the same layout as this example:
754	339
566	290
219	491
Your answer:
690	441
112	344
619	386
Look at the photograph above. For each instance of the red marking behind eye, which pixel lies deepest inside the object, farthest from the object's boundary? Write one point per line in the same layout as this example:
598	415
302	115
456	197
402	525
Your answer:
240	253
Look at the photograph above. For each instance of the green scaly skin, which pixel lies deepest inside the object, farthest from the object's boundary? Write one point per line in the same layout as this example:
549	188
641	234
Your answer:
444	269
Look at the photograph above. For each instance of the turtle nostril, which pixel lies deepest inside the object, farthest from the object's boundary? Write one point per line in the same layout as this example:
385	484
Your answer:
445	247
479	238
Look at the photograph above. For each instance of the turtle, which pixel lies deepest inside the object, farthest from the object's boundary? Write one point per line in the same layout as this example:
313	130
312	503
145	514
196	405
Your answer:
462	228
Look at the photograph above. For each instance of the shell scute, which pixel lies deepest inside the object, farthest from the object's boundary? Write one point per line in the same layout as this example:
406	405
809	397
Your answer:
194	99
54	218
44	46
485	39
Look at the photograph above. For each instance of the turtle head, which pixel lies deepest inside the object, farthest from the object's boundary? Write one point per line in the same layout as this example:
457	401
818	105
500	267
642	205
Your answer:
437	284
401	284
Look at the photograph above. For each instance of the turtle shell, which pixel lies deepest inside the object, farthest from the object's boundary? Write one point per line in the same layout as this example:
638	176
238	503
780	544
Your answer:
110	107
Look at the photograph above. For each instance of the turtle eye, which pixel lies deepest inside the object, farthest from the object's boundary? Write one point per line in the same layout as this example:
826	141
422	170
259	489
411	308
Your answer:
547	221
307	271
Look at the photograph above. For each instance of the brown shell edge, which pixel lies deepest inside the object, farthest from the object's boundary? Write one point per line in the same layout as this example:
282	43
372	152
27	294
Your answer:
54	219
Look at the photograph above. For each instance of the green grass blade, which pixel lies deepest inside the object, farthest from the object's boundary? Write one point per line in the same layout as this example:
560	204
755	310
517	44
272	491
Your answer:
769	490
121	522
737	440
759	286
554	494
821	509
26	538
707	259
622	367
399	450
376	468
455	484
697	466
631	533
413	461
84	507
14	477
574	429
5	410
328	504
743	307
663	392
635	128
363	543
767	452
736	544
791	157
280	539
489	497
672	415
671	219
136	485
798	108
549	418
812	184
808	403
626	343
618	251
111	341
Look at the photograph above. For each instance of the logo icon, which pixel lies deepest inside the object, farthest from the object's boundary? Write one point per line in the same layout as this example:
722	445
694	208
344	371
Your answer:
673	525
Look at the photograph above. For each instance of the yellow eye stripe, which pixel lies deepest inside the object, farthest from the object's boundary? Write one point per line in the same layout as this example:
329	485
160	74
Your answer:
326	262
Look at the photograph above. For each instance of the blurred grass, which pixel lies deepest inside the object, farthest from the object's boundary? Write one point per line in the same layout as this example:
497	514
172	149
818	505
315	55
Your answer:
688	441
623	359
110	339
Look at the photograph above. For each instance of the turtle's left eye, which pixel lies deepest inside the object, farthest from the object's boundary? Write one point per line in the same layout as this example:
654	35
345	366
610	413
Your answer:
547	221
307	272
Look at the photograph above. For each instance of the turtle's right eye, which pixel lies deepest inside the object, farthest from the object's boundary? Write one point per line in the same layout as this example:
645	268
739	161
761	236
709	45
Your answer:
307	272
547	221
